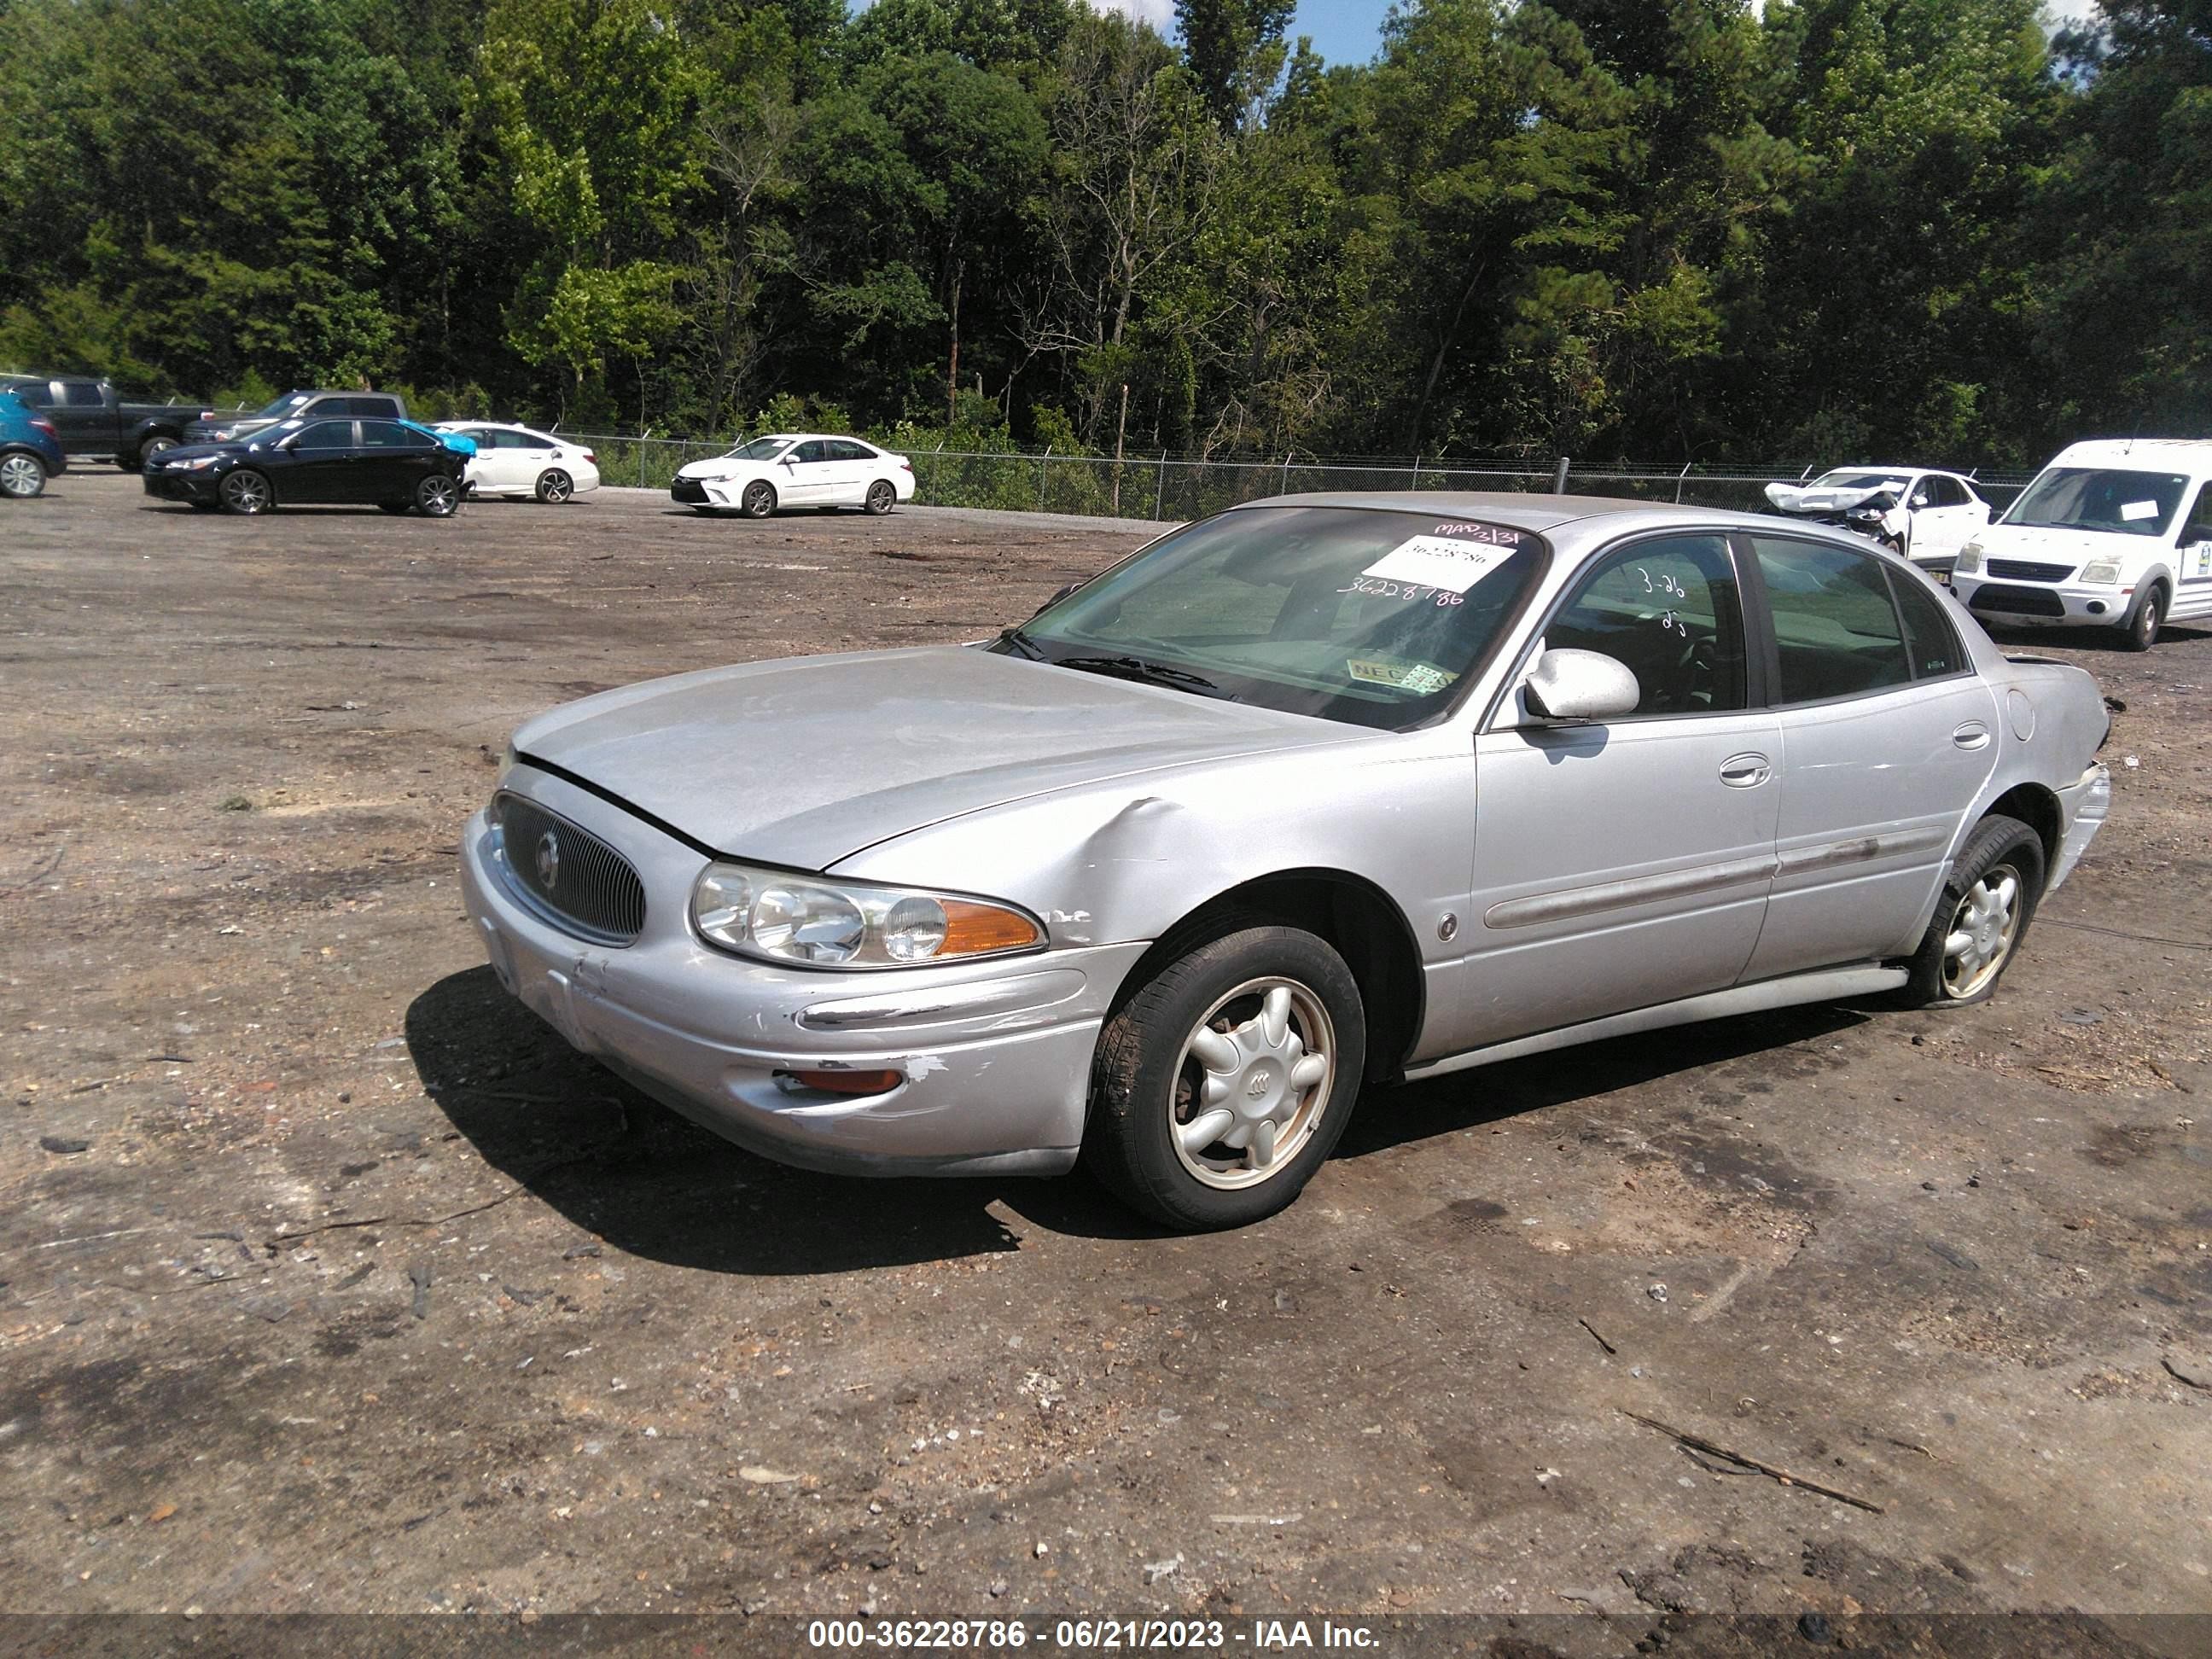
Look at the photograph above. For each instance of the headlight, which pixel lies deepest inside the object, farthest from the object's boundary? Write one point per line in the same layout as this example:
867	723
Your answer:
1969	560
199	461
2103	572
774	916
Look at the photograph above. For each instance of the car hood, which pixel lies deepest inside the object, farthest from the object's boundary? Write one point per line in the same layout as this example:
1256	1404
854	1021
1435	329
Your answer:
2019	541
804	761
1806	498
721	468
183	452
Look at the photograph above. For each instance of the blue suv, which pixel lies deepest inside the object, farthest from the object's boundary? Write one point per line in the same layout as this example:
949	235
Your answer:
29	449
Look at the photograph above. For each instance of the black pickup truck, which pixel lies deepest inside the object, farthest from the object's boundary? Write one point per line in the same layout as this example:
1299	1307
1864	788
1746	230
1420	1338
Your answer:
92	420
214	429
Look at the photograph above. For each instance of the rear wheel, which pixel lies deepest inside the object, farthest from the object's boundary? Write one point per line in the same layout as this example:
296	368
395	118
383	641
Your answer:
153	448
2140	631
759	499
555	486
23	475
1982	917
882	497
437	497
246	491
1221	1086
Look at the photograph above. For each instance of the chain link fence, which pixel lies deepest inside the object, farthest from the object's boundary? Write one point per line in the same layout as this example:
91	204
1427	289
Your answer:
1175	487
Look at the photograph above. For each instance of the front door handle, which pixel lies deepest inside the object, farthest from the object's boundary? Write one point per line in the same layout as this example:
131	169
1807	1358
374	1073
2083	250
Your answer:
1745	771
1972	735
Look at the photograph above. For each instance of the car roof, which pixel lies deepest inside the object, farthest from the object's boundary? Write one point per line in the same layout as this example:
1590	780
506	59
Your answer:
1539	514
2189	453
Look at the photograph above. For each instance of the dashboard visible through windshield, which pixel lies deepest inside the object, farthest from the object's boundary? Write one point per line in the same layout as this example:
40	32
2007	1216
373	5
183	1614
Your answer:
1374	617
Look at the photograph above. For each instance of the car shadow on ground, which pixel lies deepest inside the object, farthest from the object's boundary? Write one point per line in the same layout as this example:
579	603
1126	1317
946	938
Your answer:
627	1170
2104	641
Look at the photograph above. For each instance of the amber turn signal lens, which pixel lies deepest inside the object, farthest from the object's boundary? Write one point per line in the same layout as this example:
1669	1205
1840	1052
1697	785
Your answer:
973	929
847	1083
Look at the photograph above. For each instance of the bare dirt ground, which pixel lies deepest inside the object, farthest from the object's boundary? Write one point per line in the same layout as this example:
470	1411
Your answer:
334	1282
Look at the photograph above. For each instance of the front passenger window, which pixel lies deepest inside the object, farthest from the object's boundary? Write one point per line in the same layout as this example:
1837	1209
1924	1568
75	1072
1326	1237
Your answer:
1668	609
1834	624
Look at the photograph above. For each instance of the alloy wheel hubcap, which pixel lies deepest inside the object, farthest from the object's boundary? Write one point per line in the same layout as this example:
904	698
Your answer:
19	474
557	490
243	491
1983	929
1251	1082
437	496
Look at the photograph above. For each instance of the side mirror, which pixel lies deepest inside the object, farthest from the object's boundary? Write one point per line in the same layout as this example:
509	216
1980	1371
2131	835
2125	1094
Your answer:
1580	685
1057	598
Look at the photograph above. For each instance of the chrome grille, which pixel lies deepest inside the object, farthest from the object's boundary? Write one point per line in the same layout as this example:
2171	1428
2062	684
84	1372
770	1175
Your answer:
581	883
2027	570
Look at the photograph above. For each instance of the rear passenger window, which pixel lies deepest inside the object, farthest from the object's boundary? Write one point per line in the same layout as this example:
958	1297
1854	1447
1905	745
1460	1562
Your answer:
1668	609
1837	631
1928	635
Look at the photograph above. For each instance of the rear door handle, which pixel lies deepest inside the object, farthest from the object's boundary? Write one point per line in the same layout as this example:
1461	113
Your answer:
1972	735
1745	771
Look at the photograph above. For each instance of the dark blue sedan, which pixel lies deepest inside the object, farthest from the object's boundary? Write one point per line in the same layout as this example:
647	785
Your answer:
391	464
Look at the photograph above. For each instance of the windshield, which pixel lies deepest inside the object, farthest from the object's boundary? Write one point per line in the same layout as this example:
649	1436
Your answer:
2100	498
1857	481
1370	618
283	405
760	449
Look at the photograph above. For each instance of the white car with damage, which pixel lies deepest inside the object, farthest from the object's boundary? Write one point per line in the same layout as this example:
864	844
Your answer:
1924	514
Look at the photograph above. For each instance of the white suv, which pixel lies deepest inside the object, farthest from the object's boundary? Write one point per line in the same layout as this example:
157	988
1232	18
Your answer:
2116	532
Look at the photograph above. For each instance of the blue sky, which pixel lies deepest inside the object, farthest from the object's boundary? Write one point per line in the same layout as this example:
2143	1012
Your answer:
1348	31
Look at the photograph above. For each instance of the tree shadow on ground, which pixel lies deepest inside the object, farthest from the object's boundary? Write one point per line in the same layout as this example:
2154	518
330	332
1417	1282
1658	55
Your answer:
625	1170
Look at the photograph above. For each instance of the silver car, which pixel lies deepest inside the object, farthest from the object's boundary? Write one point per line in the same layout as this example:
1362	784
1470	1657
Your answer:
1302	800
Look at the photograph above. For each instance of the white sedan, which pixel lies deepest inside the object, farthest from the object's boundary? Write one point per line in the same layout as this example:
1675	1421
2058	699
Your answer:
519	461
796	469
1927	516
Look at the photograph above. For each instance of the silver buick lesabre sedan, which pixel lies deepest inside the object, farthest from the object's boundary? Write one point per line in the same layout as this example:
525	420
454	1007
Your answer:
1313	796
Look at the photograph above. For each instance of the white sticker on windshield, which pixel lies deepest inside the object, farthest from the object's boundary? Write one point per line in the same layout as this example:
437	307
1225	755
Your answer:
2139	510
1440	561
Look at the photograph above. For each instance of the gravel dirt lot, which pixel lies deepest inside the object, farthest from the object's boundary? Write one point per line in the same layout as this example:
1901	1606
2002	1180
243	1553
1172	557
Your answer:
334	1282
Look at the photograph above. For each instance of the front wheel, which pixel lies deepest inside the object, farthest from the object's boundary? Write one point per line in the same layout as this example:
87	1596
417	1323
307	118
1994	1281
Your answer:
2140	632
22	476
437	497
1981	918
1221	1086
555	486
246	491
883	496
759	500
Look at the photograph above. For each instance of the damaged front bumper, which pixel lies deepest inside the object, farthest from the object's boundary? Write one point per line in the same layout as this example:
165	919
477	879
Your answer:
994	1057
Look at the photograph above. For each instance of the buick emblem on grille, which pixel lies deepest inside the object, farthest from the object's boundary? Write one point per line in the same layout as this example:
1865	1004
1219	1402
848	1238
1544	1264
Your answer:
548	858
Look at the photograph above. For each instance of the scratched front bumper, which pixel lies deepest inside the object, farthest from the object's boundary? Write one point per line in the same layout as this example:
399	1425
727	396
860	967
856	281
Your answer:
995	1054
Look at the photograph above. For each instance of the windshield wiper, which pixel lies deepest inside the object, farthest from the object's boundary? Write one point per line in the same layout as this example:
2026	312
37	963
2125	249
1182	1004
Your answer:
1151	673
1023	643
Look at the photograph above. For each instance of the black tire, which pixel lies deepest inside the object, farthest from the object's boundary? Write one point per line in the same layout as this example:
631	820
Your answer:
555	486
883	496
2140	631
1999	846
759	500
438	496
160	444
23	475
1146	1081
246	492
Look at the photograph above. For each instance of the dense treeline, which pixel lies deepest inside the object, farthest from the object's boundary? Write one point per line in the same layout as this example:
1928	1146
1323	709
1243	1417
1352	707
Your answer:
1655	228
